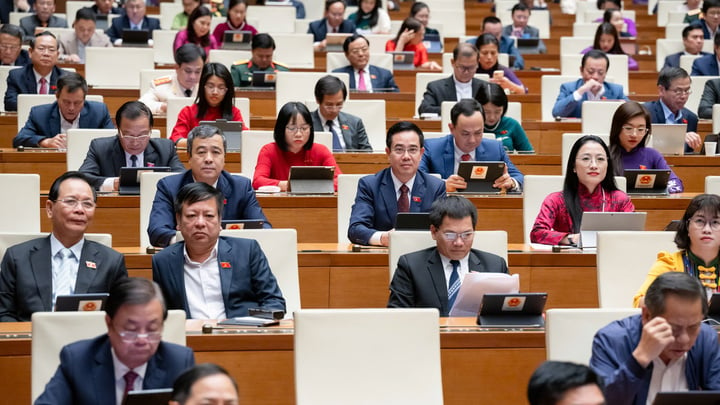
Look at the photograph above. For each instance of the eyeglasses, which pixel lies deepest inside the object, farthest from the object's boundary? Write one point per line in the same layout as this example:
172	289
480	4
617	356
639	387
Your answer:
294	130
131	337
680	92
713	13
73	203
400	151
213	89
6	47
628	130
48	49
333	106
452	236
587	160
700	223
135	138
466	69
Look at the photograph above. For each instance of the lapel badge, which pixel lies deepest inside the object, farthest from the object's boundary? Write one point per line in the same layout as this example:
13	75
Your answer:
225	265
344	127
416	199
90	265
150	164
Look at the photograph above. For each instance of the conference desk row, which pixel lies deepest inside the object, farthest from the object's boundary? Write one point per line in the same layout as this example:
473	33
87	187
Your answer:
478	366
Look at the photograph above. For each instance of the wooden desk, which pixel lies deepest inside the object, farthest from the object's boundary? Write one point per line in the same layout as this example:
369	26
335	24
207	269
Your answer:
478	366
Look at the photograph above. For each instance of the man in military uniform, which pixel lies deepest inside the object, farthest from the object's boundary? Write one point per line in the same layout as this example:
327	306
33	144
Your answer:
189	61
263	47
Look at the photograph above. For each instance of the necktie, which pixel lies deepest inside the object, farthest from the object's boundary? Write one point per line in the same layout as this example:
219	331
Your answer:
361	80
454	285
63	281
403	202
188	93
337	146
43	86
129	378
335	30
466	157
133	161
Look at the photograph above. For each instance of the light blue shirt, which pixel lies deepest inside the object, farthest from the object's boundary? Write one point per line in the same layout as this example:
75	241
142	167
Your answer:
670	118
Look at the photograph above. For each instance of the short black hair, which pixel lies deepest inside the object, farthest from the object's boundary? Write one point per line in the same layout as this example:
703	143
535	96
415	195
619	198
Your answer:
519	7
42	34
491	19
133	291
287	115
452	206
465	50
495	95
595	54
465	107
73	81
553	379
716	41
617	3
708	4
680	284
196	192
329	3
204	132
182	387
688	29
403	126
55	187
708	204
13	30
189	53
349	40
132	110
262	41
487	39
417	7
328	85
85	13
668	74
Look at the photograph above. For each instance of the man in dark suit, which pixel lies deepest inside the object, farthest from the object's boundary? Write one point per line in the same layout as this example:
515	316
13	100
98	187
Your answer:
710	21
348	131
333	22
493	25
462	83
47	124
11	52
205	383
674	89
34	273
43	17
208	276
708	65
520	28
133	19
38	77
466	143
399	188
363	76
131	356
132	147
592	86
431	278
206	151
102	8
710	97
693	43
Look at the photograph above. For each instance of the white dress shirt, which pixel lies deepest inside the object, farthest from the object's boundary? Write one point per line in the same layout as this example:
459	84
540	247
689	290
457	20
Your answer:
463	269
336	127
203	288
667	377
463	90
120	370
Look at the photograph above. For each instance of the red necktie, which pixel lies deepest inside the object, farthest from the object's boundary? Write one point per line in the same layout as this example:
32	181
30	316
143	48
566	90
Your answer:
403	202
466	157
129	378
361	80
335	30
43	86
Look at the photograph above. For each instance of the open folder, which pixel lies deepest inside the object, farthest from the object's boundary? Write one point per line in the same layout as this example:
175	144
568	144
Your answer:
475	285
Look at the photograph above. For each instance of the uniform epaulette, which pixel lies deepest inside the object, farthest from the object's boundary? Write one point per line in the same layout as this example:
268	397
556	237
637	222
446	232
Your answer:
281	64
694	12
240	62
162	80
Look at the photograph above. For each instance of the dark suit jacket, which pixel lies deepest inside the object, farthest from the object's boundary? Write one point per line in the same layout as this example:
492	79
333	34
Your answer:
44	122
86	375
443	90
380	78
419	281
240	203
247	283
22	59
319	28
29	23
375	205
353	130
658	117
710	97
123	23
106	156
26	276
22	81
566	106
439	157
673	60
528	32
705	66
706	32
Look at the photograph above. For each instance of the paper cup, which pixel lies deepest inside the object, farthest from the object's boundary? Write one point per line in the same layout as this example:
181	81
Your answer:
710	148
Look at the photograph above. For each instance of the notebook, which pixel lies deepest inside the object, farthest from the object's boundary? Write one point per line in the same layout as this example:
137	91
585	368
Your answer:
129	183
136	38
403	60
669	139
519	310
232	131
237	40
311	180
593	222
81	302
480	176
647	181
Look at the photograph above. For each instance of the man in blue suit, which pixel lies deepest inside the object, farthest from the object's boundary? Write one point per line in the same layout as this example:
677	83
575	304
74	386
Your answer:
692	42
208	276
399	188
708	65
206	150
466	143
38	77
47	124
333	22
131	356
133	19
592	86
372	78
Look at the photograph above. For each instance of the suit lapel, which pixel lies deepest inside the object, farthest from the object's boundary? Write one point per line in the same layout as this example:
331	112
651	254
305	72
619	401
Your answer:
41	265
437	276
103	374
118	157
417	193
351	73
155	374
345	130
177	278
30	80
150	157
388	195
85	116
449	156
226	273
88	267
450	89
54	119
474	263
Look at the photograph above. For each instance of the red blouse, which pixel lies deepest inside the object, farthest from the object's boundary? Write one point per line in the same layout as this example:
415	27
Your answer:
273	164
421	53
187	120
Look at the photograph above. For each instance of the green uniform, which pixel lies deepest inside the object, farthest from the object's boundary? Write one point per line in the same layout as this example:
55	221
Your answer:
242	71
511	134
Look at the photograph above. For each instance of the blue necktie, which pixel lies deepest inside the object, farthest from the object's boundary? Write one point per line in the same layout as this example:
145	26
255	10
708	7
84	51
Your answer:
337	147
454	284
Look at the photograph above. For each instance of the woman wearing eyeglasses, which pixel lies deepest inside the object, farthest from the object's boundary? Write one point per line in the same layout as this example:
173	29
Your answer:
294	146
631	126
215	100
589	186
698	239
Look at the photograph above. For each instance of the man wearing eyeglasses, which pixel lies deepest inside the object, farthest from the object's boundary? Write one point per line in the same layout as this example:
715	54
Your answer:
47	124
189	62
674	89
462	84
131	356
399	188
11	52
363	75
348	131
132	147
431	278
34	273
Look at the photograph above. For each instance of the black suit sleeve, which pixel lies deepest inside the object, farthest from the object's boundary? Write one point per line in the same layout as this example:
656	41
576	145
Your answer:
13	89
432	99
8	278
402	294
709	97
91	165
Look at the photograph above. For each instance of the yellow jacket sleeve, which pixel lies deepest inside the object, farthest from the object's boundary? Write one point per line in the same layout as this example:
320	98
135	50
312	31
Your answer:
665	262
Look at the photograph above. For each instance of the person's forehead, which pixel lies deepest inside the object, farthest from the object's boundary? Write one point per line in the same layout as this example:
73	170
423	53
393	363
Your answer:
7	37
695	32
447	221
150	311
334	97
337	6
475	119
466	60
406	138
46	40
65	93
359	43
74	185
204	205
131	122
680	81
192	63
591	147
215	140
595	63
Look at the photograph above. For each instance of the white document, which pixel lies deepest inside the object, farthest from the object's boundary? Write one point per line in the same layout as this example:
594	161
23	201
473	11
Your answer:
475	285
